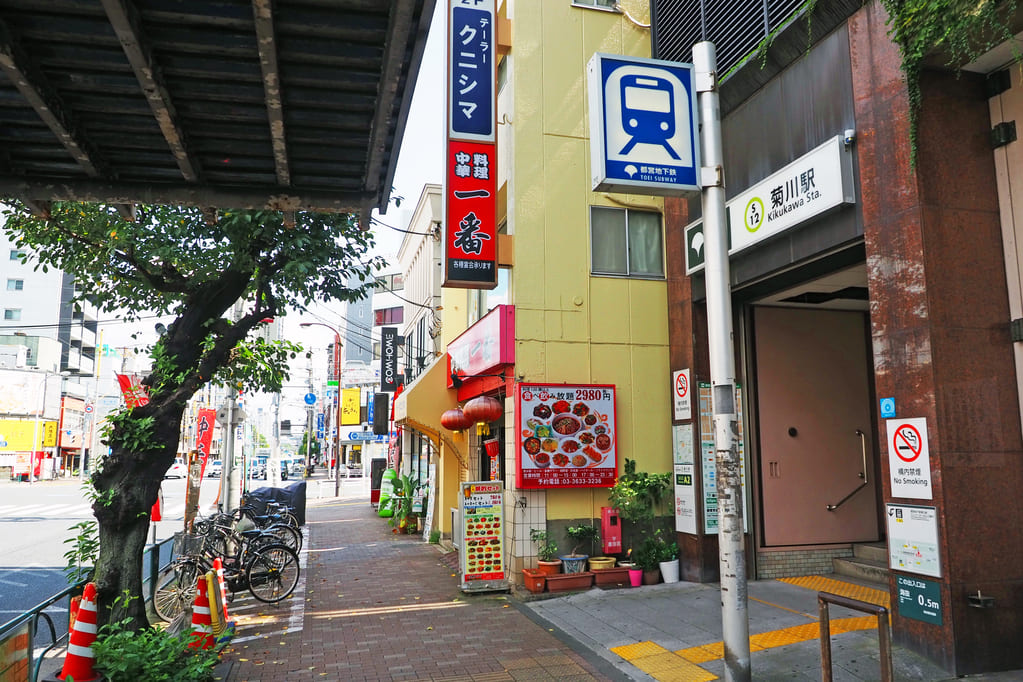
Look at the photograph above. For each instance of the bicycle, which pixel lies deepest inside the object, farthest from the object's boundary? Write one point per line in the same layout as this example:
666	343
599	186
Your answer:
252	561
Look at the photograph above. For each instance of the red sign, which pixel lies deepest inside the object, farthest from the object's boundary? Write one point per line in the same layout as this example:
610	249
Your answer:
470	239
566	436
907	443
204	436
487	344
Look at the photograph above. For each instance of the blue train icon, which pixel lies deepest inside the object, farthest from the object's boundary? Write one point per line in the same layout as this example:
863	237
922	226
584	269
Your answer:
648	112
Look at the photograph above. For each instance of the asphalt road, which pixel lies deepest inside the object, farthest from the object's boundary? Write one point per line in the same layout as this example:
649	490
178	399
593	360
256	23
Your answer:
36	519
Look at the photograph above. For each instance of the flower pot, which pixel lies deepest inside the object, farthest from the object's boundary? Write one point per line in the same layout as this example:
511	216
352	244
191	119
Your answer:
601	562
616	576
636	576
534	580
574	564
549	567
669	571
651	576
566	582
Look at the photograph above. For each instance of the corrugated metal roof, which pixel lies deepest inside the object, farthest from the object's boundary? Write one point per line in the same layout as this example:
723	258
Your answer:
289	104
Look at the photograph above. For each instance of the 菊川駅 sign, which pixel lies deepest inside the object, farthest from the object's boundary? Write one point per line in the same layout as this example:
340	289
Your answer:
643	126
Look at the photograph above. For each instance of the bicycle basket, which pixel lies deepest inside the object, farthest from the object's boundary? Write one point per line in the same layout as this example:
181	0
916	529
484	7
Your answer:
188	544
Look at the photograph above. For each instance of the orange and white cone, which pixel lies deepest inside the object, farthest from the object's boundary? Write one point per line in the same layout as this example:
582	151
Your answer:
202	626
80	660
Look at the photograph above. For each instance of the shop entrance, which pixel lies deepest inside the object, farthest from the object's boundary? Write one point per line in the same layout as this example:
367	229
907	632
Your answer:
813	385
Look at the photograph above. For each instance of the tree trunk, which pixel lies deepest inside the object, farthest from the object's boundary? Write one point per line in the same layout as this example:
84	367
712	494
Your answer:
127	485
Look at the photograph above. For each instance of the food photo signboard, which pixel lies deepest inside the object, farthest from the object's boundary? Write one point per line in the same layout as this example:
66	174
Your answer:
566	436
482	556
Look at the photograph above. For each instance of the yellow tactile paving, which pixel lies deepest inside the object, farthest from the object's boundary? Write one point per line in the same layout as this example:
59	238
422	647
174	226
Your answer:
819	583
631	652
668	667
683	665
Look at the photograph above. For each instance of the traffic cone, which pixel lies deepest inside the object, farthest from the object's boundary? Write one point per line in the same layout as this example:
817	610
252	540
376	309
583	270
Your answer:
202	627
80	659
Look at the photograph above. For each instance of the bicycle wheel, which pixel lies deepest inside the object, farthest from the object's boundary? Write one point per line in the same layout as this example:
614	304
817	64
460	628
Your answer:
286	535
272	573
175	589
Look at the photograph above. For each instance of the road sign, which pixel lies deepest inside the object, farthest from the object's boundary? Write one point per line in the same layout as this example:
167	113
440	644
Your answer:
909	461
919	599
643	126
310	398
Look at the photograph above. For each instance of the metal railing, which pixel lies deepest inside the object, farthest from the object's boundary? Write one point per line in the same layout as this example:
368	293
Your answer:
884	633
20	636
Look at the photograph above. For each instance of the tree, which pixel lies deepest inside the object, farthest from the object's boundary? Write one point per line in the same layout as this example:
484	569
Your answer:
194	265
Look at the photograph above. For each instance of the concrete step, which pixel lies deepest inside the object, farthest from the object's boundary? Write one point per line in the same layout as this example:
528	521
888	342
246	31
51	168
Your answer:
866	570
871	551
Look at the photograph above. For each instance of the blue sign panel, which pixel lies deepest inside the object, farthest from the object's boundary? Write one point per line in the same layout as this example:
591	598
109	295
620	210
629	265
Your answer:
471	51
319	425
887	408
369	410
644	132
310	398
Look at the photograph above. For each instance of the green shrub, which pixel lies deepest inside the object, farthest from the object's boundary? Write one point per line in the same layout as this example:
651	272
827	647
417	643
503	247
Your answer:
124	655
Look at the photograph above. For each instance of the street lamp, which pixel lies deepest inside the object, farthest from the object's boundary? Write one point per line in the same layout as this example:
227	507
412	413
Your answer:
337	421
40	413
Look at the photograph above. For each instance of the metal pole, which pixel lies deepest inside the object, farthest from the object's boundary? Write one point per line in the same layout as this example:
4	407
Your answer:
337	432
731	551
227	452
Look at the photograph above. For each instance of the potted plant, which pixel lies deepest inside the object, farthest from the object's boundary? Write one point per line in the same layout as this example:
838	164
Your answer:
647	558
403	519
640	497
668	560
586	533
635	570
546	551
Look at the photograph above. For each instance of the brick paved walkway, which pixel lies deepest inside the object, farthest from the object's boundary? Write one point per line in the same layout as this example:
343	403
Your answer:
379	606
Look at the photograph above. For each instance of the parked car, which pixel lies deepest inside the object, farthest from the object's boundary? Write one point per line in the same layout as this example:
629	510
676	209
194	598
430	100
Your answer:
214	469
177	470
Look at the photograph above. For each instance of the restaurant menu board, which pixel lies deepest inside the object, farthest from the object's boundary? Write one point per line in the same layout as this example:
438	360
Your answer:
482	531
566	436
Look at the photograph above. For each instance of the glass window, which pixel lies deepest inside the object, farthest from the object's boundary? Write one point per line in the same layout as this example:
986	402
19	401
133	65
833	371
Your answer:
389	316
16	254
626	242
601	4
15	284
12	314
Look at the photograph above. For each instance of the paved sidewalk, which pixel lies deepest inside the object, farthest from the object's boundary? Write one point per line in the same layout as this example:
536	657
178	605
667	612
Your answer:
379	606
375	606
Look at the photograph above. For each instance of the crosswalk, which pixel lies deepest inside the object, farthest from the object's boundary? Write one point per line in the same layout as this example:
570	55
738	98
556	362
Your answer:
77	510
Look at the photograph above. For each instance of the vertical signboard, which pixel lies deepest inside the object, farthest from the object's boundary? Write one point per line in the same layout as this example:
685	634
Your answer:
913	539
708	459
350	406
482	559
685	484
204	436
470	226
566	436
388	359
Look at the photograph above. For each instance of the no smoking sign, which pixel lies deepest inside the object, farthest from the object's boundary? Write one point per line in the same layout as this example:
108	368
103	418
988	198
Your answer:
683	403
909	461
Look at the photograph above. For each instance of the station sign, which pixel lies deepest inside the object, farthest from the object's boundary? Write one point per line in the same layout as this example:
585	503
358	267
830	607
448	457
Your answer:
644	133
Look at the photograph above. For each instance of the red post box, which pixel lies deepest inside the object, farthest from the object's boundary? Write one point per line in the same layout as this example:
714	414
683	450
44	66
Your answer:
610	530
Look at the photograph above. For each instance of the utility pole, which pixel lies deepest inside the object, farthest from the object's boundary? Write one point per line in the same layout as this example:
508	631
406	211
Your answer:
731	550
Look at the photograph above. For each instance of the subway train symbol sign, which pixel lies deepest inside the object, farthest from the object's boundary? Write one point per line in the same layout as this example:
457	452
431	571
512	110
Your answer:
643	131
648	112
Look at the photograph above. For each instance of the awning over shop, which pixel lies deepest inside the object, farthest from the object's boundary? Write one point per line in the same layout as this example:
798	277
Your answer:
422	403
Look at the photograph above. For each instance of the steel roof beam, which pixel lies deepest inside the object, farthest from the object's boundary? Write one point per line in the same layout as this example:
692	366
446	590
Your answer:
264	197
32	84
127	26
266	42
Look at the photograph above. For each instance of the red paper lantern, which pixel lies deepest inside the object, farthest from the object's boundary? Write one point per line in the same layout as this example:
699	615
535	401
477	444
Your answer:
483	410
455	420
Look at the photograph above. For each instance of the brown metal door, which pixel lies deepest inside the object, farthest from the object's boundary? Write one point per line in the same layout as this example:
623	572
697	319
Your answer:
813	396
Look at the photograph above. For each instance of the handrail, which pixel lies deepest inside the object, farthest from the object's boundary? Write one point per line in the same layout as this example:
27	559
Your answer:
884	634
32	616
863	474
